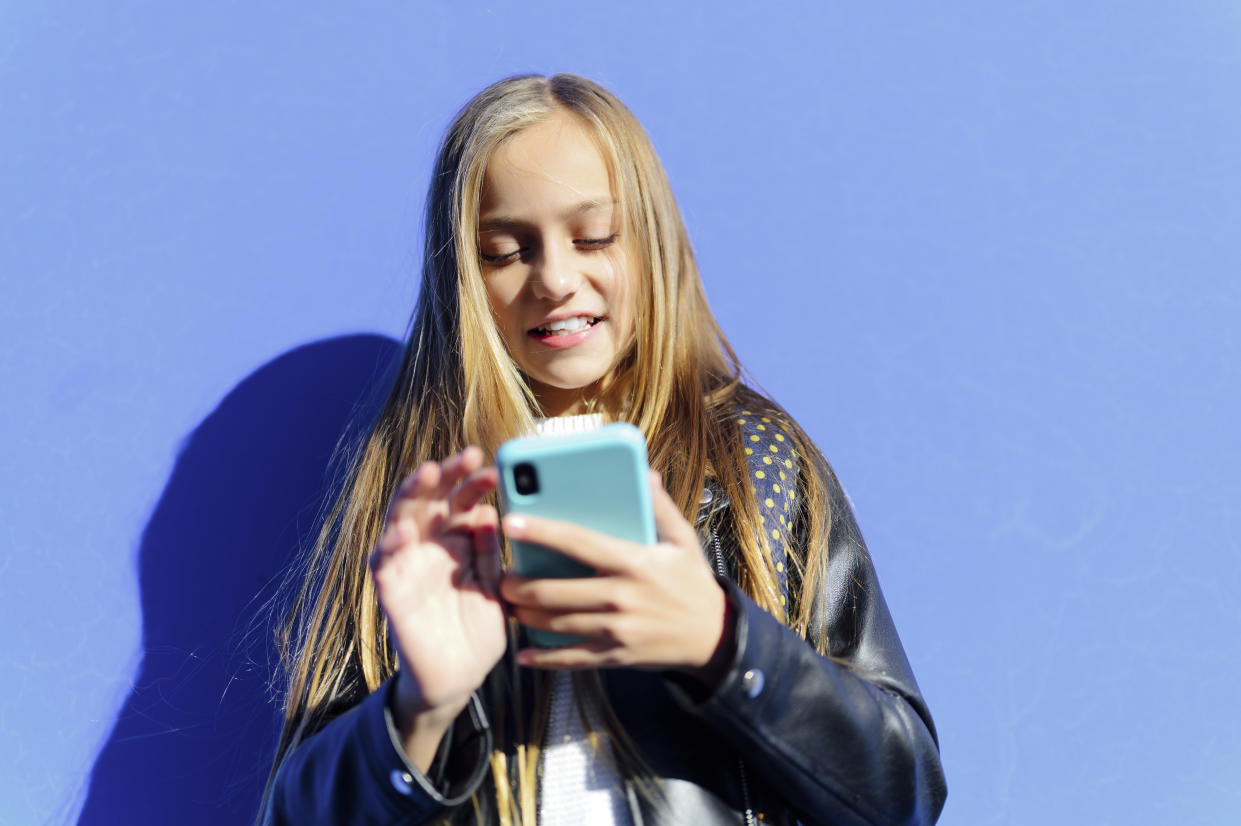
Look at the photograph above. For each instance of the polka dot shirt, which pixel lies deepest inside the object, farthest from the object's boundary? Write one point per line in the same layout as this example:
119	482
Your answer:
773	465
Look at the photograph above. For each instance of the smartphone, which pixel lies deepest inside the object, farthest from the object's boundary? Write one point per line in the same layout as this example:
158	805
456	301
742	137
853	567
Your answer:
598	479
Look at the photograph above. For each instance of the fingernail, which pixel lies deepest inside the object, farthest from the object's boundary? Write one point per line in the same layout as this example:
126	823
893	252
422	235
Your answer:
514	523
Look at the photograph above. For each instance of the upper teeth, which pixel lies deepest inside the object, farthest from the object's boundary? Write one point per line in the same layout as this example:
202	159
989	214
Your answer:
571	325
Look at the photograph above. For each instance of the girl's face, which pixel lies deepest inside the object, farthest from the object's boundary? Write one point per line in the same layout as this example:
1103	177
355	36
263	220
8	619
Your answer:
557	272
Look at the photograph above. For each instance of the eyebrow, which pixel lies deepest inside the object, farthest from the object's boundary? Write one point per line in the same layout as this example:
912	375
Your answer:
498	222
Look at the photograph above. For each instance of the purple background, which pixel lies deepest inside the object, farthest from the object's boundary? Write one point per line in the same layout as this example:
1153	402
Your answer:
988	254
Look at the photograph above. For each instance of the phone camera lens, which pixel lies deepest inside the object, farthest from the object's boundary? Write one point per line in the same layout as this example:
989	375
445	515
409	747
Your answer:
525	479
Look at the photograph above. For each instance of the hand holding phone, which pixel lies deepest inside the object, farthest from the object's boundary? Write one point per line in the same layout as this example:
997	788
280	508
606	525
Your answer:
653	601
597	479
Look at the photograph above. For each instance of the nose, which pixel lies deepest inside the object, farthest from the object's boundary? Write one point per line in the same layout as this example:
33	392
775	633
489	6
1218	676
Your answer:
555	276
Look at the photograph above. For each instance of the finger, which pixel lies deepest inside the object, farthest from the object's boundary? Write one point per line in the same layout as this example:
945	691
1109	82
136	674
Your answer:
583	594
473	488
432	481
424	479
383	549
592	548
396	535
487	563
670	524
593	626
418	485
469	522
593	654
483	516
466	461
457	467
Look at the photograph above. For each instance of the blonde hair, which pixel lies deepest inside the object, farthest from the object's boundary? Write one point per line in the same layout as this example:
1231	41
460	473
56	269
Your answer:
680	382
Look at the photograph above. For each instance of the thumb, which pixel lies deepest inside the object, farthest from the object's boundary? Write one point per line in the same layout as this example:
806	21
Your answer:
670	524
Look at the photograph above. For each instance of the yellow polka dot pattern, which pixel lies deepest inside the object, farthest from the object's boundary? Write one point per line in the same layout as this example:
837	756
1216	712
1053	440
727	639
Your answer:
769	451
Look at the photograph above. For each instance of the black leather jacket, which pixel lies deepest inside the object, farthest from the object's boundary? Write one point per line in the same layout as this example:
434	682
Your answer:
787	736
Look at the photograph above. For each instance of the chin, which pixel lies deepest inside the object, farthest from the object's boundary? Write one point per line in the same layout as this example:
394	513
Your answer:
575	384
554	390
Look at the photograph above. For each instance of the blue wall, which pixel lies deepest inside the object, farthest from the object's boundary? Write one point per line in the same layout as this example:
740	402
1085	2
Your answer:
987	253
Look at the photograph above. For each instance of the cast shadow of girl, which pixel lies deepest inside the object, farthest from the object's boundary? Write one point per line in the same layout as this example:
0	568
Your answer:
193	742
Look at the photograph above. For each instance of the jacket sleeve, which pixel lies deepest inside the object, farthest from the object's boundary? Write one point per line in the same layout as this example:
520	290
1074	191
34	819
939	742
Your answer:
844	739
355	771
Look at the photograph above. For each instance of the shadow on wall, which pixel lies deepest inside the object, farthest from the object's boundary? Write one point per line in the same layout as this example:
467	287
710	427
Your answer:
194	740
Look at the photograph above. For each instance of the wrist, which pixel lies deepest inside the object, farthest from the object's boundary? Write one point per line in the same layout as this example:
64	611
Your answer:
410	710
712	671
420	728
722	657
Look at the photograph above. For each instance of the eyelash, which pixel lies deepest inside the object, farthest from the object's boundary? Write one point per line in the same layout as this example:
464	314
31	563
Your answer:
585	244
598	243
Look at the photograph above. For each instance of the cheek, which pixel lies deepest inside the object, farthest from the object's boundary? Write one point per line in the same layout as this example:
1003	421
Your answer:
503	300
623	291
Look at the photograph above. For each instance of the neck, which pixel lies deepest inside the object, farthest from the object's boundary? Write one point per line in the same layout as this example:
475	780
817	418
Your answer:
577	401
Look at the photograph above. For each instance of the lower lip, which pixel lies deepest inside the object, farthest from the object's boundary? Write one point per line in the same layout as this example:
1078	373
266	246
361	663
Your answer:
571	340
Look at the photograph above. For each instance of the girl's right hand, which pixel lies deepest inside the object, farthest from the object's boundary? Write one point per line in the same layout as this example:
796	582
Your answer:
437	572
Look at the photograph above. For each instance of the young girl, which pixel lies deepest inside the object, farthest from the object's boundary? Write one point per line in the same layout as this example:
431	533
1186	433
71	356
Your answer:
744	669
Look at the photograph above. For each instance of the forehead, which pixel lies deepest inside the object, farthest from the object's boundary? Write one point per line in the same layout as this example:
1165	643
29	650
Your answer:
554	163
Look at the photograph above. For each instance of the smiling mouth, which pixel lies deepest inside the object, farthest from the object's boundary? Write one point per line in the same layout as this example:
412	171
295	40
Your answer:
566	326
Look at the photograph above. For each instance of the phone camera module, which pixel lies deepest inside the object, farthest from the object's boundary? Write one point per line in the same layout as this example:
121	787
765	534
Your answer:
525	479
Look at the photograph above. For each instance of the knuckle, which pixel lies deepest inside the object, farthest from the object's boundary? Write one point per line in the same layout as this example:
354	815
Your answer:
531	592
389	540
617	657
381	568
533	618
640	578
618	599
616	629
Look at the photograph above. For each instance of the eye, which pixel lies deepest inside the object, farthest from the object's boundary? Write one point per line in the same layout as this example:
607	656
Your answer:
591	244
500	260
500	246
517	250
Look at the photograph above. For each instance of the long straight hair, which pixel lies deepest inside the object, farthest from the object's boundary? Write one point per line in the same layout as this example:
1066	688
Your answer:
679	382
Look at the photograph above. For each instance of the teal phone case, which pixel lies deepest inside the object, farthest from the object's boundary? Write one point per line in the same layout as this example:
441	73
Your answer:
596	479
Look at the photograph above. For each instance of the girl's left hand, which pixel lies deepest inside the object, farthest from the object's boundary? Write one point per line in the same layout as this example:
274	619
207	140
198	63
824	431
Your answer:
656	606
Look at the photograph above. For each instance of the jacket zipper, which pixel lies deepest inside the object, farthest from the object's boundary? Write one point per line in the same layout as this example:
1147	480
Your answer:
745	787
745	793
